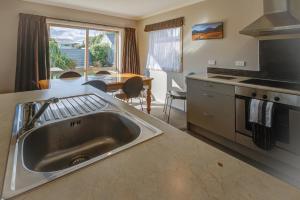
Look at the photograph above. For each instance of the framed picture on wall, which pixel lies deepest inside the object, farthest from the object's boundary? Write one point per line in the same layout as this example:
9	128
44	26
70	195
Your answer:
208	31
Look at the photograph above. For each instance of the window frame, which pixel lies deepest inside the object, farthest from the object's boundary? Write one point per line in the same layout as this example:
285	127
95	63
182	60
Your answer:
119	34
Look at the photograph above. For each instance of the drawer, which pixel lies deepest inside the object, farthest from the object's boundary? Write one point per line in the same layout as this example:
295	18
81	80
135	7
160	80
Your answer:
214	87
212	111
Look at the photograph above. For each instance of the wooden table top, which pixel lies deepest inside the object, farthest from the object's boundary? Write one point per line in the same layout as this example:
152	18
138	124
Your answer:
114	79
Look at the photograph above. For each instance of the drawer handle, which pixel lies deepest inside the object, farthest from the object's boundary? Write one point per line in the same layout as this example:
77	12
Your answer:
205	114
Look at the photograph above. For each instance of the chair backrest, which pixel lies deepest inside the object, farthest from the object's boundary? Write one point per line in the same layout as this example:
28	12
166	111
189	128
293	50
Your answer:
43	84
35	86
70	74
102	72
100	85
133	87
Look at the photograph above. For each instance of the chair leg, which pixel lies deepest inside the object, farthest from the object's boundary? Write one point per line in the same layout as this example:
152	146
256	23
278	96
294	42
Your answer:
167	106
166	103
170	107
184	101
141	102
165	111
142	94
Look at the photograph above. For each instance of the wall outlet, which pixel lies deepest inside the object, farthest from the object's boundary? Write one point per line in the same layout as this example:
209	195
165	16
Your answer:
212	62
240	63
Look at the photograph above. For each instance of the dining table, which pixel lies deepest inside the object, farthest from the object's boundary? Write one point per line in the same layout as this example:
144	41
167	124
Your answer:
114	82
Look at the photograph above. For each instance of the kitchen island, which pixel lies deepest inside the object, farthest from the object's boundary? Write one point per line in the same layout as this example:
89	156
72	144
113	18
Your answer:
171	166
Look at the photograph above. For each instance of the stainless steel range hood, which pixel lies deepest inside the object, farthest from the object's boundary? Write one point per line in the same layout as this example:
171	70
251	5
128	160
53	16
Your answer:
277	20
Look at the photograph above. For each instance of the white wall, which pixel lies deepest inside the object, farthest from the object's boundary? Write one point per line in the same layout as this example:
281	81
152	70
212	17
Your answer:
295	8
235	14
9	10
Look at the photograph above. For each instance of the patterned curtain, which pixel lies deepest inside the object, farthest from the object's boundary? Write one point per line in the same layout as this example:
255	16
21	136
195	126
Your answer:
131	61
173	23
32	52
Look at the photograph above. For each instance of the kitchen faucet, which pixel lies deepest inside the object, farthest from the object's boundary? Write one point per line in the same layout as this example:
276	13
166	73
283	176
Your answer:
39	113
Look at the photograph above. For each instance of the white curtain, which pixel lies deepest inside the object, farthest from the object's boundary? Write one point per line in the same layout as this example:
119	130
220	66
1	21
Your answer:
165	50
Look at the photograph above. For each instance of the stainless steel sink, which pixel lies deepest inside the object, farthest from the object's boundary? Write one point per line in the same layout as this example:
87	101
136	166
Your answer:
59	146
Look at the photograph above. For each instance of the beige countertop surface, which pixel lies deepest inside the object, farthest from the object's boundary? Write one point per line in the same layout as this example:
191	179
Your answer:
237	80
174	165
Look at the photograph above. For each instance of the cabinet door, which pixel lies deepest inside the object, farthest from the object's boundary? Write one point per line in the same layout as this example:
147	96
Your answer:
211	110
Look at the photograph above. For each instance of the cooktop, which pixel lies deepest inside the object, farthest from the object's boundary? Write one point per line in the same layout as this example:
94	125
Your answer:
273	83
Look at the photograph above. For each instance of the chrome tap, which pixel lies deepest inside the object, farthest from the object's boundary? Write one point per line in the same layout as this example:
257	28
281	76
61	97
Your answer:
29	125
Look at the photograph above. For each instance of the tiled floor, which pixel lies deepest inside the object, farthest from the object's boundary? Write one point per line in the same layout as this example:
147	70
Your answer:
177	118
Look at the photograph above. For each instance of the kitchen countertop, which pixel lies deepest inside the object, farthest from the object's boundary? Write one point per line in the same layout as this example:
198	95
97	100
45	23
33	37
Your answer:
237	80
174	165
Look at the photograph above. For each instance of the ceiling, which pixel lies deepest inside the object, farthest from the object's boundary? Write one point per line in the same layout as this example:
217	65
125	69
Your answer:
132	9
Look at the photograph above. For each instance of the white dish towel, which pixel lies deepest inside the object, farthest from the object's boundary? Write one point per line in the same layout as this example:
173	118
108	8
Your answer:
261	112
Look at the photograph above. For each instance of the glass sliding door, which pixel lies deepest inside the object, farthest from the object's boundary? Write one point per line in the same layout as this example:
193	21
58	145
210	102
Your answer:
82	49
102	46
67	50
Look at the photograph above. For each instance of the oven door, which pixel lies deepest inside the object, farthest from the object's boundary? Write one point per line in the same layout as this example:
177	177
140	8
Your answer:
286	124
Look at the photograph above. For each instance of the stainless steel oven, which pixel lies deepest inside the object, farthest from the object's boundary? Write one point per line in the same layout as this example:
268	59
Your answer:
286	118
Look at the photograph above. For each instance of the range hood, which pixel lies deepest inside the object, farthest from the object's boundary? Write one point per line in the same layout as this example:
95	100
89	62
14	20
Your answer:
277	20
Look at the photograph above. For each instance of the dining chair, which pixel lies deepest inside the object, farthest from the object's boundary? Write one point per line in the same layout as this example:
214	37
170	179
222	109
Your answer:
70	74
43	84
175	95
103	72
132	88
100	85
40	85
35	85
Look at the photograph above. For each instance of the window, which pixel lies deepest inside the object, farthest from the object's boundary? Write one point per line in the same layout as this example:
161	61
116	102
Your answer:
165	50
84	49
102	50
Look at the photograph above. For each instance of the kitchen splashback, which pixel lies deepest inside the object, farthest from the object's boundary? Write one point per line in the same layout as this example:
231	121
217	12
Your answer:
280	59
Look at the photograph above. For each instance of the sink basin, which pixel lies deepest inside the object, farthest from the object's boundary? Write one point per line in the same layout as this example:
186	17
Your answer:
71	134
67	143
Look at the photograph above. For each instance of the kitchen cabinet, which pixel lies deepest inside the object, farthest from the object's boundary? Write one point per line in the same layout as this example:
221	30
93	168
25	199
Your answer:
211	106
